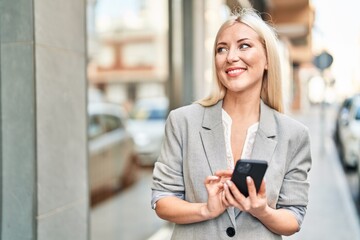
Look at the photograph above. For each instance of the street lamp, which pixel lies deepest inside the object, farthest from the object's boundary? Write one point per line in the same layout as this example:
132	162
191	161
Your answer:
322	62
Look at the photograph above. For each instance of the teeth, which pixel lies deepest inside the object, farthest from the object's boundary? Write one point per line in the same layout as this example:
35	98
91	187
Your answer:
234	71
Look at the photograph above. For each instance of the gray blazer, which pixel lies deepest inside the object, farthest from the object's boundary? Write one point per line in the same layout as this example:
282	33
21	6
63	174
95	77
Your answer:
194	148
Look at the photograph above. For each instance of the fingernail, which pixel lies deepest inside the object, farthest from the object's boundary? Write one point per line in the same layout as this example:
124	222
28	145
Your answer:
248	179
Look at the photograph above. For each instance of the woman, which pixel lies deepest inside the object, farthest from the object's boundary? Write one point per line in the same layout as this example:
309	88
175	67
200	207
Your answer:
241	119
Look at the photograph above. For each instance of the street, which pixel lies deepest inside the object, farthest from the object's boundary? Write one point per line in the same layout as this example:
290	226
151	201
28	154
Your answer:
353	183
331	213
127	215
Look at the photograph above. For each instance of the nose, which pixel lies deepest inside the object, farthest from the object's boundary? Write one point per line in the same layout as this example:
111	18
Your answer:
233	56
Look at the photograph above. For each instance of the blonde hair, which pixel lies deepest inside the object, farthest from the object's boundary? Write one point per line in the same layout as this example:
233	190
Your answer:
271	92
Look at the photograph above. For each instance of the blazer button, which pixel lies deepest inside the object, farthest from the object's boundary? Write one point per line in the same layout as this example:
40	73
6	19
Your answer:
230	231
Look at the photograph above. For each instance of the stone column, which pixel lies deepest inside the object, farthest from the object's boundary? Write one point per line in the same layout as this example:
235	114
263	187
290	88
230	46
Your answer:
43	120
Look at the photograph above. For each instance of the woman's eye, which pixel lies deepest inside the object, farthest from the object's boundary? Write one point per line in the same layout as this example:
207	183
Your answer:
244	46
221	49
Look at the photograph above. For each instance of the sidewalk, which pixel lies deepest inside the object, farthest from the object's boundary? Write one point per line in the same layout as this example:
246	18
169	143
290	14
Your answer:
331	213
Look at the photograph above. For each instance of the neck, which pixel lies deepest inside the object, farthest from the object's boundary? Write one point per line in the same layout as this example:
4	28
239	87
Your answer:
242	107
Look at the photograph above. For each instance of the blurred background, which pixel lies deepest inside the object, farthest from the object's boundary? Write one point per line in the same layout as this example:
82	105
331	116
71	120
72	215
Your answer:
86	87
152	56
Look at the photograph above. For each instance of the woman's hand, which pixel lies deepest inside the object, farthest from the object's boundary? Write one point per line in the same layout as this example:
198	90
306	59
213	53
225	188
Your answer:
216	203
174	209
279	221
255	203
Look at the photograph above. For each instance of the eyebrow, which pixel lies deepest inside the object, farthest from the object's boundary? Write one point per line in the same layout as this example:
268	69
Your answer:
240	40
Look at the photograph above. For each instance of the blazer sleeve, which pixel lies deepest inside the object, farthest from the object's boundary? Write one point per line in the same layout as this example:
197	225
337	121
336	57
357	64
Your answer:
168	170
295	187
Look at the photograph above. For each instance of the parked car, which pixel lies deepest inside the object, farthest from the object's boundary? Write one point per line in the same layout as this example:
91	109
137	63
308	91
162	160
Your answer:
349	133
147	124
342	114
112	156
358	174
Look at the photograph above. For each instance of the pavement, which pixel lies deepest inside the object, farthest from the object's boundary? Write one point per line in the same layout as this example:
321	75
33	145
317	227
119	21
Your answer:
331	213
128	215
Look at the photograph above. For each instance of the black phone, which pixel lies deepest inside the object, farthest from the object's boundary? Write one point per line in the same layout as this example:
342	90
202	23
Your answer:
248	167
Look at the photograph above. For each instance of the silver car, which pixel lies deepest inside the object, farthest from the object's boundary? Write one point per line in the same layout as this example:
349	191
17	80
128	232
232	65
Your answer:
147	124
112	156
349	133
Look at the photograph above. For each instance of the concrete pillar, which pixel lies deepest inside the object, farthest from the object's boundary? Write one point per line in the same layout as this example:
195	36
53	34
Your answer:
175	87
186	50
43	141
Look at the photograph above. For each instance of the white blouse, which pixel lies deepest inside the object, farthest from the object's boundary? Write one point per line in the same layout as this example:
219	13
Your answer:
249	141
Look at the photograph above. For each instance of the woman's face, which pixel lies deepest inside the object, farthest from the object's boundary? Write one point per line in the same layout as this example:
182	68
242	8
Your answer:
240	59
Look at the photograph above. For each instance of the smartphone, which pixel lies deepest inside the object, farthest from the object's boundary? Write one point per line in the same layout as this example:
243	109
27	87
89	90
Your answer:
248	167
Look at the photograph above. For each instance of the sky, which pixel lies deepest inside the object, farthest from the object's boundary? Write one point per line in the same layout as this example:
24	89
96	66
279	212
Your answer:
337	30
115	8
109	11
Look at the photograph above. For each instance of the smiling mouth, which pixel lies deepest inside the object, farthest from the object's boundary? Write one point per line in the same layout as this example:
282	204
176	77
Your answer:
235	71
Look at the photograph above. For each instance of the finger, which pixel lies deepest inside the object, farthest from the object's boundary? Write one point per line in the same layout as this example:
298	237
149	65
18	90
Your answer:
224	173
235	193
210	179
229	198
223	198
251	188
235	202
262	190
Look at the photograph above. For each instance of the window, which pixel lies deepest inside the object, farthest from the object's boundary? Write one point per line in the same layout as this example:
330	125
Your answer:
111	123
357	115
95	129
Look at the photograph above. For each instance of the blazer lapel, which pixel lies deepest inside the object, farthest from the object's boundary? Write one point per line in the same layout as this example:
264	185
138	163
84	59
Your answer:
265	141
212	136
213	139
